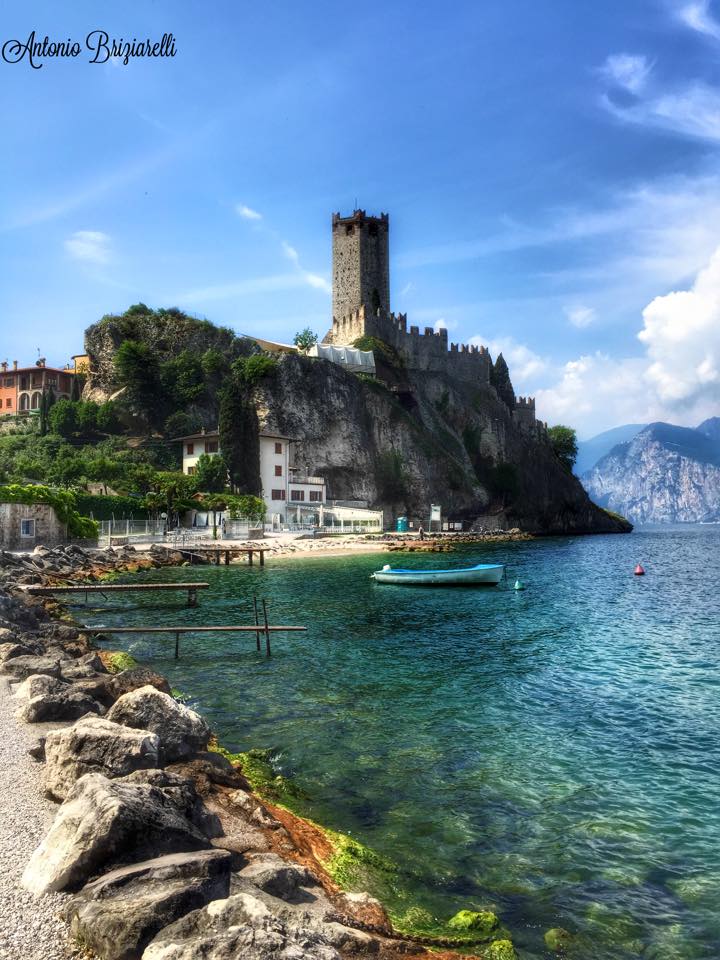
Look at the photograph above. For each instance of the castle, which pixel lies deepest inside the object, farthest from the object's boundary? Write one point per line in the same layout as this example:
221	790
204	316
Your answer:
361	308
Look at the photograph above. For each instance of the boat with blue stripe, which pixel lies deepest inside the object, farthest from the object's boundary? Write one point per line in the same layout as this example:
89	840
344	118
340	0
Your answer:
482	574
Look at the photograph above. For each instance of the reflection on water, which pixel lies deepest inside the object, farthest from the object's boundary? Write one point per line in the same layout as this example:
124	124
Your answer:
553	754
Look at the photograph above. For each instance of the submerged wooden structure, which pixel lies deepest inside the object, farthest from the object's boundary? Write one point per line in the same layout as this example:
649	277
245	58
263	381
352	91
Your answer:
105	588
216	552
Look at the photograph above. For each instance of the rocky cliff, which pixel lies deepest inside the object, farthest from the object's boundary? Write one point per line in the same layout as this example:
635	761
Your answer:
665	474
401	441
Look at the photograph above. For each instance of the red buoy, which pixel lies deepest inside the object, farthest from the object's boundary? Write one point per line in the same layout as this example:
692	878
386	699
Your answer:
639	572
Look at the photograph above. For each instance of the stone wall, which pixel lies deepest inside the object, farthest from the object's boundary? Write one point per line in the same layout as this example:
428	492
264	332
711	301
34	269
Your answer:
48	530
428	350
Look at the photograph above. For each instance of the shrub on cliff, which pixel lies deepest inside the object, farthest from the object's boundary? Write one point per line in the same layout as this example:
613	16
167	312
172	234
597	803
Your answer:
563	440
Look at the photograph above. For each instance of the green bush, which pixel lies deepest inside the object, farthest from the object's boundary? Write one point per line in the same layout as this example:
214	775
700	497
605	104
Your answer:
62	501
106	507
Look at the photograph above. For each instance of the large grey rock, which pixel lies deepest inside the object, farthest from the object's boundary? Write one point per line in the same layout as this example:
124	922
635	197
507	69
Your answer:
280	878
24	666
95	745
89	665
182	732
241	926
65	705
10	649
182	791
39	684
137	677
102	823
119	914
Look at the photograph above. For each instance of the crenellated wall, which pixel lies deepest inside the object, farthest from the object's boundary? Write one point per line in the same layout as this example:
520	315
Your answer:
426	350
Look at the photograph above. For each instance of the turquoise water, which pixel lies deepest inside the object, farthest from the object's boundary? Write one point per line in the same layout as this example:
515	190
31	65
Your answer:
552	754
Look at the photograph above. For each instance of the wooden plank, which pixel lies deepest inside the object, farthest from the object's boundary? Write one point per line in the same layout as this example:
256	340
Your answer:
250	629
121	587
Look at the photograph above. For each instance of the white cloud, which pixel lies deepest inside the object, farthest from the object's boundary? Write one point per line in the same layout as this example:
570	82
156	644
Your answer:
92	246
247	213
580	316
692	111
677	379
290	252
697	16
525	365
319	283
629	71
406	289
440	324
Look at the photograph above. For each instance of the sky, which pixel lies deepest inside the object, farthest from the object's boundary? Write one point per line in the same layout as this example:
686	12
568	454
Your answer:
551	171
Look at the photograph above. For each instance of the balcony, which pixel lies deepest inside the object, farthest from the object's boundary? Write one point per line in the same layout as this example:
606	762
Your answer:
295	476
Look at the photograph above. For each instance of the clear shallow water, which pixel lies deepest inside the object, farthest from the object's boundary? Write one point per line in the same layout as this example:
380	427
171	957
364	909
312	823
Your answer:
552	754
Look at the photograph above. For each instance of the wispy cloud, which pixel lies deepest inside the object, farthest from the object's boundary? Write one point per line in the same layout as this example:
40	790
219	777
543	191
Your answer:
629	71
580	316
692	111
698	17
247	213
311	279
91	246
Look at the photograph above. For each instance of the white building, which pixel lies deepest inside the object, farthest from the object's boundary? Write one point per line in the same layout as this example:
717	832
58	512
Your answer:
290	496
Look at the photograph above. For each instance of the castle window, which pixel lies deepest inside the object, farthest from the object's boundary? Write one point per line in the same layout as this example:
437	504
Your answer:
278	470
8	402
278	448
373	230
9	382
278	495
23	383
316	496
190	471
211	446
297	495
349	230
190	449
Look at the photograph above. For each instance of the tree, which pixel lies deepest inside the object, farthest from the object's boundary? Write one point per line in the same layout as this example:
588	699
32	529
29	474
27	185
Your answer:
305	340
211	474
563	440
62	419
240	437
500	379
138	371
47	401
75	390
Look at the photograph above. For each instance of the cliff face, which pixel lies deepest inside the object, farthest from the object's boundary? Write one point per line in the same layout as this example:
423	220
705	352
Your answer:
427	439
666	474
401	441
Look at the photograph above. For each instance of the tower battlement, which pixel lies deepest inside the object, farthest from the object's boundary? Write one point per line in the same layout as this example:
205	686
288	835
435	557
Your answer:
361	308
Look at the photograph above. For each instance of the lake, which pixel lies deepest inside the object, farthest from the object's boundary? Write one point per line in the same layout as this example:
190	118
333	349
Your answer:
552	754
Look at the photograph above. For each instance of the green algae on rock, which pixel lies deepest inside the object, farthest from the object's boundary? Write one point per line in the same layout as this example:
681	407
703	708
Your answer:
558	939
500	950
481	923
117	662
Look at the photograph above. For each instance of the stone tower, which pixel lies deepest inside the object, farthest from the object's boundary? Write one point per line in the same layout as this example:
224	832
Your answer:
361	264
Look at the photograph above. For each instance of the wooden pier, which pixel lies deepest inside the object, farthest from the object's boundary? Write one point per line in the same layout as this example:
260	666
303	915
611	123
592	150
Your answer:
217	552
105	588
259	630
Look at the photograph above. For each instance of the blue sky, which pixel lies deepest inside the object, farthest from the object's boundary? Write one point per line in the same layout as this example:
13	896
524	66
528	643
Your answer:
550	170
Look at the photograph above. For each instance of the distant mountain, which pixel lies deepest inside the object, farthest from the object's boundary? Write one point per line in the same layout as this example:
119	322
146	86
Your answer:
664	474
592	450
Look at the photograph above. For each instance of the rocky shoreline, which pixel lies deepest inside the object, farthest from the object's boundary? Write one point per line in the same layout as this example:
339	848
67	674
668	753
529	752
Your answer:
160	846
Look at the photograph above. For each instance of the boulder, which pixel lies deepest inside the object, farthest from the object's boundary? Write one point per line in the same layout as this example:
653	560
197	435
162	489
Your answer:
98	687
95	745
182	732
241	926
137	677
39	684
208	768
184	795
116	916
280	878
59	706
10	649
103	822
24	666
37	750
89	665
6	636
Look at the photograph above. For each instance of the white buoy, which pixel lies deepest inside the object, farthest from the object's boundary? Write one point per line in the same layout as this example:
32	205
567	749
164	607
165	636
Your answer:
519	585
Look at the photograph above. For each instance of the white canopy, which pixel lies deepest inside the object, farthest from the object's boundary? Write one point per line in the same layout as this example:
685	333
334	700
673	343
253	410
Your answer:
349	357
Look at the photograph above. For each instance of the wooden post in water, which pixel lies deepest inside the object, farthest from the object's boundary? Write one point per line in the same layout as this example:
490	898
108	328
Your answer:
177	646
267	632
262	558
192	597
250	558
257	624
227	558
